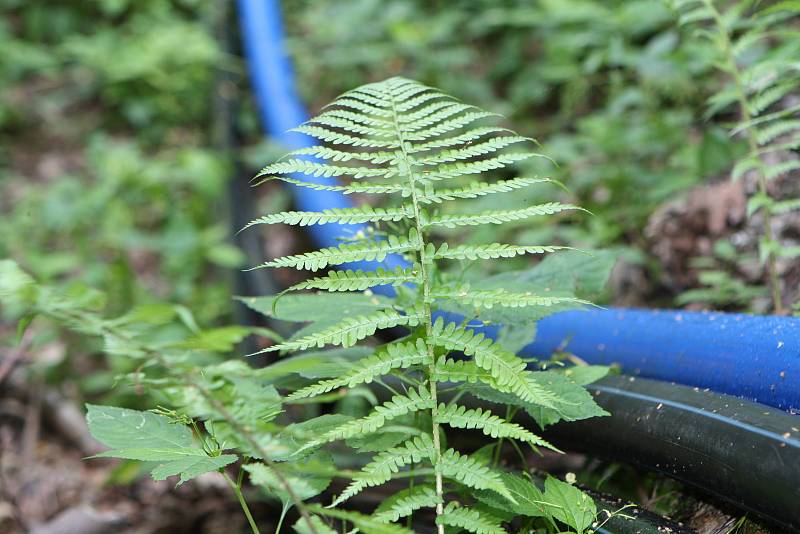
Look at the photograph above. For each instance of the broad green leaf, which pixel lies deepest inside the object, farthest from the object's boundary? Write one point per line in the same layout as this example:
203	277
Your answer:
121	428
569	504
192	466
150	437
223	339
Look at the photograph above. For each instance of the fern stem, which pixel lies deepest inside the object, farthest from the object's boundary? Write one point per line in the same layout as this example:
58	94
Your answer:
752	145
424	263
237	489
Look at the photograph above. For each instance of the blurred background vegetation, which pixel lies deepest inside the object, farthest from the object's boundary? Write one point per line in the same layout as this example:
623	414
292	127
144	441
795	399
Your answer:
127	129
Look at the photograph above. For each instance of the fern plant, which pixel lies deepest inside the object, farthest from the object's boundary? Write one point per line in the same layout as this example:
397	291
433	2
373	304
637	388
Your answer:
764	82
422	149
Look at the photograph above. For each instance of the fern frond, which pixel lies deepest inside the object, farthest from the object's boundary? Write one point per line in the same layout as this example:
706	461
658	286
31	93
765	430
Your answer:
362	214
424	111
478	189
449	370
772	131
347	189
499	216
391	357
351	127
339	138
351	330
506	368
779	169
488	298
331	154
324	170
454	170
471	519
771	95
359	280
490	251
406	502
367	96
353	117
347	253
358	105
385	464
488	423
487	147
432	119
457	140
450	125
472	473
407	105
414	401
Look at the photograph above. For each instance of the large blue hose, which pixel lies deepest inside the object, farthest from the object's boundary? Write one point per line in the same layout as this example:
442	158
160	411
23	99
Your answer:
753	357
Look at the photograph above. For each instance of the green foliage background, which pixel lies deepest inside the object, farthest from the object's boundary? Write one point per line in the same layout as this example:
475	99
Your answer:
112	176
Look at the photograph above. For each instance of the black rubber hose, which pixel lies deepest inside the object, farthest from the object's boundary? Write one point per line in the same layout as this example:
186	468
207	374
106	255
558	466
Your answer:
637	520
737	451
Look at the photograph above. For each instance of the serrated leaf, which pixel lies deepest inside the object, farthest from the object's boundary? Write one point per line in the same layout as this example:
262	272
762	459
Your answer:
192	466
571	506
150	437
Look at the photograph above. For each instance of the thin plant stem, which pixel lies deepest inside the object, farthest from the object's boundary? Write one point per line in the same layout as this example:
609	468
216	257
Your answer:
237	489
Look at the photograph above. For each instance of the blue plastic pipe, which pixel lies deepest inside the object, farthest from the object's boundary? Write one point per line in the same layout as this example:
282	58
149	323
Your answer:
753	357
280	108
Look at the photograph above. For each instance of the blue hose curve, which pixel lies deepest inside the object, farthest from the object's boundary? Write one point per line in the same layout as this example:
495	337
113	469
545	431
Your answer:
757	358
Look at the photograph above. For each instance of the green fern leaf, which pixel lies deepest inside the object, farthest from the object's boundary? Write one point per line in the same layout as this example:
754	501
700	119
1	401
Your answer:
385	464
358	105
449	370
393	356
488	298
490	251
471	519
351	330
339	138
458	140
454	170
471	151
429	109
353	117
313	168
331	154
375	251
450	125
502	297
351	127
406	105
414	401
359	280
506	368
779	169
479	189
472	473
406	502
500	216
347	189
361	214
770	132
488	423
